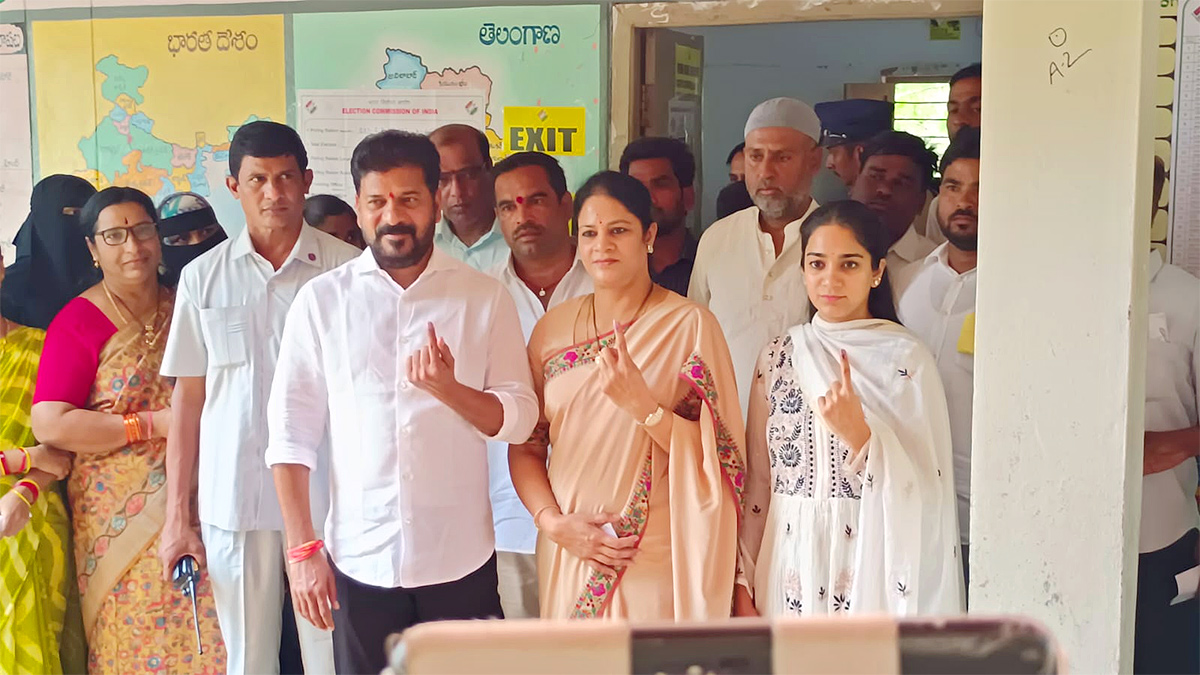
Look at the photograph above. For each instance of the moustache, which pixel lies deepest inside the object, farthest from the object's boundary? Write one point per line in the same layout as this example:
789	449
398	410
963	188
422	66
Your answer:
964	212
528	228
399	228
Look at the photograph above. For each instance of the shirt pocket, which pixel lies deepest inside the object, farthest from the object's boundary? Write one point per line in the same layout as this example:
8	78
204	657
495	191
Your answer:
227	335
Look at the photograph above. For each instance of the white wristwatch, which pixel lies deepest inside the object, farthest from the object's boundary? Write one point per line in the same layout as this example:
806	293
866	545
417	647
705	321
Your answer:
654	417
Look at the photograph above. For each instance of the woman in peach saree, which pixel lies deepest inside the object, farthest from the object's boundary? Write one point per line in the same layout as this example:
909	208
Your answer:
639	504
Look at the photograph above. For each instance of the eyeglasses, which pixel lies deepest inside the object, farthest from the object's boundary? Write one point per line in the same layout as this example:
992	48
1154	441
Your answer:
115	236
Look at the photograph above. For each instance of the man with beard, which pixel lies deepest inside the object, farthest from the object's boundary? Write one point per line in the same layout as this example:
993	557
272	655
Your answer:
409	361
748	269
939	305
230	309
896	177
542	270
963	111
668	170
468	230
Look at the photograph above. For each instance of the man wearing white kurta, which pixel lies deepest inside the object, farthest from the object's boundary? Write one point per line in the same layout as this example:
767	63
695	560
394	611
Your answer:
229	313
748	269
938	305
533	207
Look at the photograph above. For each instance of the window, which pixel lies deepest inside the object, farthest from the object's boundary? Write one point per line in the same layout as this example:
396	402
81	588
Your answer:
921	111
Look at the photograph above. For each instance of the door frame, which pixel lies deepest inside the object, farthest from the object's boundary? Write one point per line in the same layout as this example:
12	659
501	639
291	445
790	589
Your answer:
627	19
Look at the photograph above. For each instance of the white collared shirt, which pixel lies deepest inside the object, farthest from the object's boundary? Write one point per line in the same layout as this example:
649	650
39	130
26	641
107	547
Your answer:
910	248
935	307
484	255
229	314
1172	399
409	476
514	527
755	295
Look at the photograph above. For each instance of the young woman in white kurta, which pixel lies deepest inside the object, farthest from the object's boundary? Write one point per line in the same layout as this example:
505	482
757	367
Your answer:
850	497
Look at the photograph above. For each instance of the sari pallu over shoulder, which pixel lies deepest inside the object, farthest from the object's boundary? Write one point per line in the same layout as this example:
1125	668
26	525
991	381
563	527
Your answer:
675	340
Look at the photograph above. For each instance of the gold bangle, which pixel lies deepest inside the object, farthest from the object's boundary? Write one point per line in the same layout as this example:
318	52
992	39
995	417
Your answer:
538	513
23	498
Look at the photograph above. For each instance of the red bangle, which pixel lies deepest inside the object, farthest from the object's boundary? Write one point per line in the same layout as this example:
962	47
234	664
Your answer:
304	551
34	490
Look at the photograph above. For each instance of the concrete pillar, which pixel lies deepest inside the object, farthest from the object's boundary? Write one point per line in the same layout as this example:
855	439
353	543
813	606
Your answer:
1059	364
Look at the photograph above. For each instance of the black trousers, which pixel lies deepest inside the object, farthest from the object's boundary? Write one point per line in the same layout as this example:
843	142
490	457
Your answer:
369	614
1166	637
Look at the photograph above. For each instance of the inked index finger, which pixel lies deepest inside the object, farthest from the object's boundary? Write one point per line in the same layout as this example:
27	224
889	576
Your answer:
846	371
433	338
619	332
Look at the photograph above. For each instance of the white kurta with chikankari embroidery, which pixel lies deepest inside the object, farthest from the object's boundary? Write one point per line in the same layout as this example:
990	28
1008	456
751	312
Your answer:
832	531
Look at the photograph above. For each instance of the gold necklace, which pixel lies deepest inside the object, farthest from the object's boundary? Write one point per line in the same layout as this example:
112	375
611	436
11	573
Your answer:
148	333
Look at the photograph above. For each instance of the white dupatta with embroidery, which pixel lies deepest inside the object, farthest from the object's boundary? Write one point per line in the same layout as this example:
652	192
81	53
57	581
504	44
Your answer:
906	558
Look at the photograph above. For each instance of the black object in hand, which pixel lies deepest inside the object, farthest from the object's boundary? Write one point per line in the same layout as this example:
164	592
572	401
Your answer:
186	576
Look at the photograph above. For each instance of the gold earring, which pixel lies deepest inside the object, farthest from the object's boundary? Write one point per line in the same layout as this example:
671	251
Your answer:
876	284
95	263
649	248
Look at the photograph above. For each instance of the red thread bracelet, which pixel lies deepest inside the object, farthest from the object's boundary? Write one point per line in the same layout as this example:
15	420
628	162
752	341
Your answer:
304	551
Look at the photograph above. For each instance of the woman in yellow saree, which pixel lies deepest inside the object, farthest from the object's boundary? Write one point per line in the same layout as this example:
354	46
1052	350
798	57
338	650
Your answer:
40	629
99	396
639	505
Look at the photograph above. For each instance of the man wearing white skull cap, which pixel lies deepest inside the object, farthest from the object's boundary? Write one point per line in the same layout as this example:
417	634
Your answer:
748	269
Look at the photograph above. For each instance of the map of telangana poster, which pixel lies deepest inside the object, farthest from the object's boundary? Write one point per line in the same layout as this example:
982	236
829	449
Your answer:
152	103
540	62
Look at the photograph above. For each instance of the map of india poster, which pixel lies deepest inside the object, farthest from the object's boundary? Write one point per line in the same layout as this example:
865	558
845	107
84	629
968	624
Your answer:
152	103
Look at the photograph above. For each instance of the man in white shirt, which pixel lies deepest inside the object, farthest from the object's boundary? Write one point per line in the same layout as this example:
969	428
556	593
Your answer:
1168	611
542	270
229	313
963	107
938	305
748	269
896	177
468	230
409	361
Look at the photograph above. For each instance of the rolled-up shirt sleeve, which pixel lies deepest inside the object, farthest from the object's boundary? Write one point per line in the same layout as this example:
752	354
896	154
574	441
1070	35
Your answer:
508	377
298	409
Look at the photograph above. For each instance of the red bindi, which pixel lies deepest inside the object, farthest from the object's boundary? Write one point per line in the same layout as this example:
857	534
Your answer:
391	196
520	200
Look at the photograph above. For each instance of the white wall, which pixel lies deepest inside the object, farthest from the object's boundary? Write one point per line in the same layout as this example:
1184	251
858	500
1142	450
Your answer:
744	65
1060	352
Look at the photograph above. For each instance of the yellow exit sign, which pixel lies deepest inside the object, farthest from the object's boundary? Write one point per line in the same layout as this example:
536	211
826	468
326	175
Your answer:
552	130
